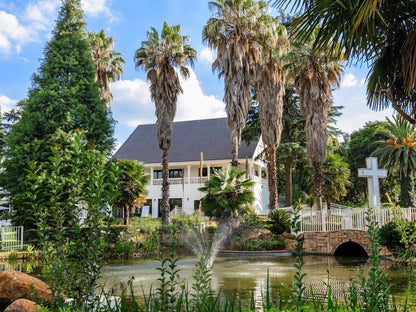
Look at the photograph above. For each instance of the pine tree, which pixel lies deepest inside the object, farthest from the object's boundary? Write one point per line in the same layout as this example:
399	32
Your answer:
64	97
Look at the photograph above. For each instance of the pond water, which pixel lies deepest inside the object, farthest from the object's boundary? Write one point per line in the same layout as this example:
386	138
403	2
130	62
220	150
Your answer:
243	276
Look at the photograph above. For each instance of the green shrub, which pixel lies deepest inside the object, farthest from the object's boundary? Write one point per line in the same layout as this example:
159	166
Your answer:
255	221
147	225
391	237
185	223
280	221
259	245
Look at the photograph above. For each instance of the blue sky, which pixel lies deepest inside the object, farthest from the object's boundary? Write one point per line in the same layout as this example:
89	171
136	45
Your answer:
26	25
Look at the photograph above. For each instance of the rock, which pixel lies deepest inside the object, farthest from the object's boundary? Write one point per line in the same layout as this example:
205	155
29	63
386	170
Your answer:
23	305
255	234
15	285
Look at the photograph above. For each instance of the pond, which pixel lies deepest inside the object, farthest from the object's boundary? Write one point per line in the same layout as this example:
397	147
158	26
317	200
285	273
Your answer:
244	276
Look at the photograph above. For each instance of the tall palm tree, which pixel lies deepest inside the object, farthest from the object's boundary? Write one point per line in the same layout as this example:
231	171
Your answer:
108	63
398	153
270	87
232	31
133	182
378	31
314	72
159	56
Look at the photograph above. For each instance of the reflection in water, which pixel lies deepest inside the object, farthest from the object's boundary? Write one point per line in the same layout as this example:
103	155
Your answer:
243	277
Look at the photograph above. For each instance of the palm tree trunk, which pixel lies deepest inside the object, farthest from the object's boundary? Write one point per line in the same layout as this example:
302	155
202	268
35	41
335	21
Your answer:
234	161
317	180
288	179
126	214
406	191
165	187
272	176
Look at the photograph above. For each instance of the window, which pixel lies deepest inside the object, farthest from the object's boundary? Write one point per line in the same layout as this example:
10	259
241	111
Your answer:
205	171
157	174
173	173
173	203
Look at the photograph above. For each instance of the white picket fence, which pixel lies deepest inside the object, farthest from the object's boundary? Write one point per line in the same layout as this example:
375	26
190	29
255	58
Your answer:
11	238
346	218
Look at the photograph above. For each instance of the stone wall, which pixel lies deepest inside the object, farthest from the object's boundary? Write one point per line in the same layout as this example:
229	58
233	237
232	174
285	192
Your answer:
326	243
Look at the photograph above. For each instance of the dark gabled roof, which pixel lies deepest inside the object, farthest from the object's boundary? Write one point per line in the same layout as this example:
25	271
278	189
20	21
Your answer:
189	139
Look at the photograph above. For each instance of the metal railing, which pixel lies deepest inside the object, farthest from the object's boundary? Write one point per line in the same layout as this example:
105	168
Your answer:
11	238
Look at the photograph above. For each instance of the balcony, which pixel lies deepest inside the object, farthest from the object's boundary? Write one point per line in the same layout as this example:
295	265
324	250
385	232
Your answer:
172	181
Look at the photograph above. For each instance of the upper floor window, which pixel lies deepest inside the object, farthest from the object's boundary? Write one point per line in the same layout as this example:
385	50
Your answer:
205	171
173	173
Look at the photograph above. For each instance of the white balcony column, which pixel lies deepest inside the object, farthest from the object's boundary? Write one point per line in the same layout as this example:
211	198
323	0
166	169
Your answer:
189	174
151	175
208	171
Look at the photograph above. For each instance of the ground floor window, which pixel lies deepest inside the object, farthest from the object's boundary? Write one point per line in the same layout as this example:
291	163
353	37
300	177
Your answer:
173	203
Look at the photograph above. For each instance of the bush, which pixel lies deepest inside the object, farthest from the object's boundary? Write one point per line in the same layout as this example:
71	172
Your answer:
280	221
391	237
185	223
261	245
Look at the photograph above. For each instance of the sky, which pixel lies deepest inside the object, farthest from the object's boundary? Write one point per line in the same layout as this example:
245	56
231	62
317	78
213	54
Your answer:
26	26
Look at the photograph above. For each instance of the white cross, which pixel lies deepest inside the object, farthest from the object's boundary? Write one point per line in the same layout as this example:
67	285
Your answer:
372	173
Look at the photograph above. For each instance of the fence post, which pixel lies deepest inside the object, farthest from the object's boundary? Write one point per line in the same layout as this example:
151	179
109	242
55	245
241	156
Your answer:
21	237
2	238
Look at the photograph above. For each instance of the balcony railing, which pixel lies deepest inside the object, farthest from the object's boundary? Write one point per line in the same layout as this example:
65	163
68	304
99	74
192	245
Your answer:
193	180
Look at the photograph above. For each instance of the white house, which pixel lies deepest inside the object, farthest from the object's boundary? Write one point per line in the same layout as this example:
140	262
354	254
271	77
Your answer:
189	139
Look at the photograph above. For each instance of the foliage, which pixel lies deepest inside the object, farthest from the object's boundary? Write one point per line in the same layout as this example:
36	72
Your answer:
234	30
228	194
107	62
160	56
280	221
259	245
391	237
133	181
397	152
367	30
373	294
64	97
74	181
297	289
335	173
361	144
184	223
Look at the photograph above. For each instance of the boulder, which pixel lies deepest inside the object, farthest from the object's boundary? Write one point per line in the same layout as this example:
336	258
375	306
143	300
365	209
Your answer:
23	305
255	234
16	285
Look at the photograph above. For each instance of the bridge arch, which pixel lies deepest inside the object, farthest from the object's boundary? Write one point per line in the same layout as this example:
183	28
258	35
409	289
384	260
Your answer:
351	249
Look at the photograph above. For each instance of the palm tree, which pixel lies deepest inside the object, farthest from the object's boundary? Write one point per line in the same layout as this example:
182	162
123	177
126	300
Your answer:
398	153
270	87
133	182
108	63
228	194
314	72
380	32
233	32
335	178
159	56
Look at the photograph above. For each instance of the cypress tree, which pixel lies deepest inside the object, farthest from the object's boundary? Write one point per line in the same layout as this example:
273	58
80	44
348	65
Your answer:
63	97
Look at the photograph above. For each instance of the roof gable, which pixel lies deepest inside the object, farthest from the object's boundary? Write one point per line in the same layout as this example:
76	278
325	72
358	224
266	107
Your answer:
189	139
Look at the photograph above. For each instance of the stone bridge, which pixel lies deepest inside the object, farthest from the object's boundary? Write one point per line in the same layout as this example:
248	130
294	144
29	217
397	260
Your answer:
344	242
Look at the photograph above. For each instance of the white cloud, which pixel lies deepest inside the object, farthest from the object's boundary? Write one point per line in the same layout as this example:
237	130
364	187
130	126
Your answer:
12	33
6	104
37	21
206	55
349	80
194	104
